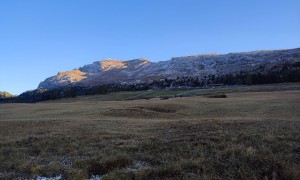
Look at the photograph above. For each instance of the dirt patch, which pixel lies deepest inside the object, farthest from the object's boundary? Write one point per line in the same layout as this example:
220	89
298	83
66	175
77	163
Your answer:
148	111
216	95
127	112
159	109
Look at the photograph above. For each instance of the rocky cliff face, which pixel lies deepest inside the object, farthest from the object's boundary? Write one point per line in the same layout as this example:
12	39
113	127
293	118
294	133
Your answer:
142	70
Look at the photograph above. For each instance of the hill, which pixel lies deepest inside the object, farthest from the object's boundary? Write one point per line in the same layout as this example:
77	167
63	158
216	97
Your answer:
141	70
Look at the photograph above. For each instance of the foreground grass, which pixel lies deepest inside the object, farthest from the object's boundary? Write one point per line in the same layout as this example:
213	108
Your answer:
244	136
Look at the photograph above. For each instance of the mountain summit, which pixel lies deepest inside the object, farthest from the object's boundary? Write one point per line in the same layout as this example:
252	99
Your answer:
142	70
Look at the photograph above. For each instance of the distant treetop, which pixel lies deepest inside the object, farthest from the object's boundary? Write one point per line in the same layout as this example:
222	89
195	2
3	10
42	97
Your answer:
4	94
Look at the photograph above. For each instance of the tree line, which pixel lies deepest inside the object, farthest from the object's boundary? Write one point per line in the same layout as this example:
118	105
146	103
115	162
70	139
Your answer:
288	72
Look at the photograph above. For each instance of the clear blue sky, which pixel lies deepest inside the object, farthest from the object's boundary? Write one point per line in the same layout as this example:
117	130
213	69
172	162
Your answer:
39	38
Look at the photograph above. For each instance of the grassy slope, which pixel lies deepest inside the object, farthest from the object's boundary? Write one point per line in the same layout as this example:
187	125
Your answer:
120	96
244	136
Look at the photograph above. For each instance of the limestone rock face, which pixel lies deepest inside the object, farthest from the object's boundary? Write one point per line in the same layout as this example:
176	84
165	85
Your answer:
142	70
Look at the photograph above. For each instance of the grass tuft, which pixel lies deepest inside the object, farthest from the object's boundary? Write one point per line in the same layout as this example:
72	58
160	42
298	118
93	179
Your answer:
97	167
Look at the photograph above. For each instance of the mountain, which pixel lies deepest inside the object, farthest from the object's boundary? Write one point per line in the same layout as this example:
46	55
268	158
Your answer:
110	71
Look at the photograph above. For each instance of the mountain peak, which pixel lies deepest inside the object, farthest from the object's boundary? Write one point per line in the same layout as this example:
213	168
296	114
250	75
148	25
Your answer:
112	63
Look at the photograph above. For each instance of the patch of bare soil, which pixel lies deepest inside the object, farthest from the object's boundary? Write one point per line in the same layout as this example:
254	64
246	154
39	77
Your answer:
147	111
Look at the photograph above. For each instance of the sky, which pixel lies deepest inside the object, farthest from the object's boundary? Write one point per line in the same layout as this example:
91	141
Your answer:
39	38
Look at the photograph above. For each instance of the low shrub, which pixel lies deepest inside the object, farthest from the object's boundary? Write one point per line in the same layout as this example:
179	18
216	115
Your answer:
101	168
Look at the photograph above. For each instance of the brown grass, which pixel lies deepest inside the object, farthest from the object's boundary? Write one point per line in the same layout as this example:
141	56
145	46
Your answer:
243	136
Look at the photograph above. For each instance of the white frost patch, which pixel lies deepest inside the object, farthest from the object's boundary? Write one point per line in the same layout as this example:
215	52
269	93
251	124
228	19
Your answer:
137	165
49	178
96	177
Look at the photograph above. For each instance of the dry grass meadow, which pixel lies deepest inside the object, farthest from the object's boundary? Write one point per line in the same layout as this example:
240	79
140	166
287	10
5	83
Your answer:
250	135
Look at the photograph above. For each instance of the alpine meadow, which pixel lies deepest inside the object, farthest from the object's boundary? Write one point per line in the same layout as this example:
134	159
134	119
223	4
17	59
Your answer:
142	90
